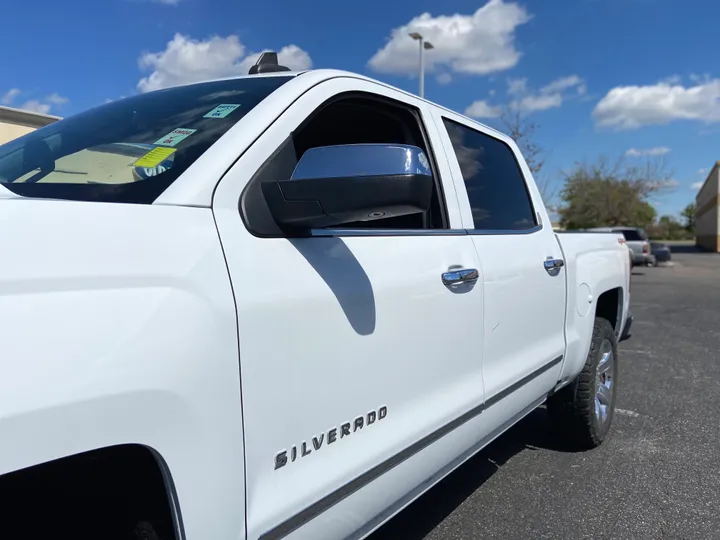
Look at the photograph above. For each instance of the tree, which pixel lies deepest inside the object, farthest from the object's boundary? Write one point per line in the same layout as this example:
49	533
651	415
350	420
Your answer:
688	214
667	228
519	127
608	194
522	130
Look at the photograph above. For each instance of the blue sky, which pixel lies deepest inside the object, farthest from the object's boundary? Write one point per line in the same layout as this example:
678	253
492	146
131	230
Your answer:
597	76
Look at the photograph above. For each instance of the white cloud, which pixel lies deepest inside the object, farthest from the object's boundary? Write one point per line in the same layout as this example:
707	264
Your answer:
702	171
550	96
482	109
638	152
168	2
187	60
444	78
517	86
9	96
477	44
697	185
42	106
56	99
562	84
525	99
630	107
36	106
697	79
539	102
673	79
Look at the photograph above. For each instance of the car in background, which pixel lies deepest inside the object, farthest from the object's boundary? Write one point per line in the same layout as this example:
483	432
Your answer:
660	252
637	241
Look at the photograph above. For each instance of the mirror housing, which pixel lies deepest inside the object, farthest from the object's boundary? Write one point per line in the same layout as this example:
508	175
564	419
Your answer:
336	185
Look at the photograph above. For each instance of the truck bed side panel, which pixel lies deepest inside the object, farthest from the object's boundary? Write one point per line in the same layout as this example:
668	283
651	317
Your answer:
595	263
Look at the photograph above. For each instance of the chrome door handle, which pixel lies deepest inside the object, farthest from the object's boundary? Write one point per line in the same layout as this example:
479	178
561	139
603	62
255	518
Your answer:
553	266
461	275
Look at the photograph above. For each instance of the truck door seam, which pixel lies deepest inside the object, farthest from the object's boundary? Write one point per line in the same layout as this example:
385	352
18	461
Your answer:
314	510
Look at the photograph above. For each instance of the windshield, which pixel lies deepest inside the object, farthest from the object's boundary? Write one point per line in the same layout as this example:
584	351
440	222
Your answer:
129	150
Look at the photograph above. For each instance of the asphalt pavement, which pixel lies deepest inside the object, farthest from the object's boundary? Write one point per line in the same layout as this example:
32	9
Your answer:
656	477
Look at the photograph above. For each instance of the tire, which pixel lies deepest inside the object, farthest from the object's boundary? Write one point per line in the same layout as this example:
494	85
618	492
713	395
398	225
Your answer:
582	415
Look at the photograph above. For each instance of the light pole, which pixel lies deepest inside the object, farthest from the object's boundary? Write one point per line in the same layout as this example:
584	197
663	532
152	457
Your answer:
424	46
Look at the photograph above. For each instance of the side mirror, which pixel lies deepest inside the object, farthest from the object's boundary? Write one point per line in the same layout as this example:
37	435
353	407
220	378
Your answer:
336	185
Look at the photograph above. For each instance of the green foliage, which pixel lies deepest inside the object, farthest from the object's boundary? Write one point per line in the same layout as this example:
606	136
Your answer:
688	214
604	194
668	228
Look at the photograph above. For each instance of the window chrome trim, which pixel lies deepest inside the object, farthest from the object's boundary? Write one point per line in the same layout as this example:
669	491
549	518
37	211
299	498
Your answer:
501	232
315	233
386	232
324	233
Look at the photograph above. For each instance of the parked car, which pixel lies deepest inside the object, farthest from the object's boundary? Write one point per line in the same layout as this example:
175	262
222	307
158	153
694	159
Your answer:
292	328
637	241
661	252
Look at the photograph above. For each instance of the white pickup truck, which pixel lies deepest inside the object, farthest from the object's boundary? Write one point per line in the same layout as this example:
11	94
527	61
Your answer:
280	306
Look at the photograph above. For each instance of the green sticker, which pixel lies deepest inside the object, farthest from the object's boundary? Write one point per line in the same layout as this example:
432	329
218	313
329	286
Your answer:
175	136
221	111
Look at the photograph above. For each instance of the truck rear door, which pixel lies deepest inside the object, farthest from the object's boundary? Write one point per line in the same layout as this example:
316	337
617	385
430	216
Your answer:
524	280
361	368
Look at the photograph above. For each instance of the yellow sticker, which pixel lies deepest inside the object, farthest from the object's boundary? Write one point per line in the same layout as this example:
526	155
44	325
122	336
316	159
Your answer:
155	157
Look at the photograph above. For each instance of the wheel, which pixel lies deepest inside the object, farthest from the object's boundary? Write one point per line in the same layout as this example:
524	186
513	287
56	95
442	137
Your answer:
583	410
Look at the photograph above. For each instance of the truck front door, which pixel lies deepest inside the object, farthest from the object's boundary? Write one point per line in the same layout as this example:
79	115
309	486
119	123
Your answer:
355	357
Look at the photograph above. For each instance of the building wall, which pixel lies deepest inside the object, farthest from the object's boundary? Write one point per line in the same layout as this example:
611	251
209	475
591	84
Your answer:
15	123
707	216
8	131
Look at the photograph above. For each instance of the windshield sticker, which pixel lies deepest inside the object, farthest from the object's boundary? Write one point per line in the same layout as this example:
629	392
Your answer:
155	157
175	136
221	111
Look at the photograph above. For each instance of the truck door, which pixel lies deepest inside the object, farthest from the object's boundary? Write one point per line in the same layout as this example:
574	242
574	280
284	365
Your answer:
355	356
524	282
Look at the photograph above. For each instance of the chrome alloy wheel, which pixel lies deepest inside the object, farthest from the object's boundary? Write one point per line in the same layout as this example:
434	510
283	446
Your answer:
604	382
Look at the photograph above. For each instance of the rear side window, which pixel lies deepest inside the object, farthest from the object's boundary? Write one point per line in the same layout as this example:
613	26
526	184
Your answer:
495	185
129	150
632	235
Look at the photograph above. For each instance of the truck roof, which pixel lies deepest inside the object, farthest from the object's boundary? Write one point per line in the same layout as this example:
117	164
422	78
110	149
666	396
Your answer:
323	74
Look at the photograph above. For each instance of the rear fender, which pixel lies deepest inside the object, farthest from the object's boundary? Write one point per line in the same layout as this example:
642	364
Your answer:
597	265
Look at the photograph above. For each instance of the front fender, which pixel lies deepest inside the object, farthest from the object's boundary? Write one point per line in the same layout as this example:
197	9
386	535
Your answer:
119	327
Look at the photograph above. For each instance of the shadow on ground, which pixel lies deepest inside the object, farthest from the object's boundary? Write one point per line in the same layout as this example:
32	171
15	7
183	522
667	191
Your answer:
421	517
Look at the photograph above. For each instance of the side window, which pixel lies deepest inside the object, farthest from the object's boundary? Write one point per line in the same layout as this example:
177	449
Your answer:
495	185
348	119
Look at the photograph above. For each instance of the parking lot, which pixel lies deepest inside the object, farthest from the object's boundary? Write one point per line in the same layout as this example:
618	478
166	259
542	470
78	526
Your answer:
657	477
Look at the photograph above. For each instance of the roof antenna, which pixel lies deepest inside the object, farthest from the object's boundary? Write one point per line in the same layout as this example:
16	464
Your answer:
267	63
